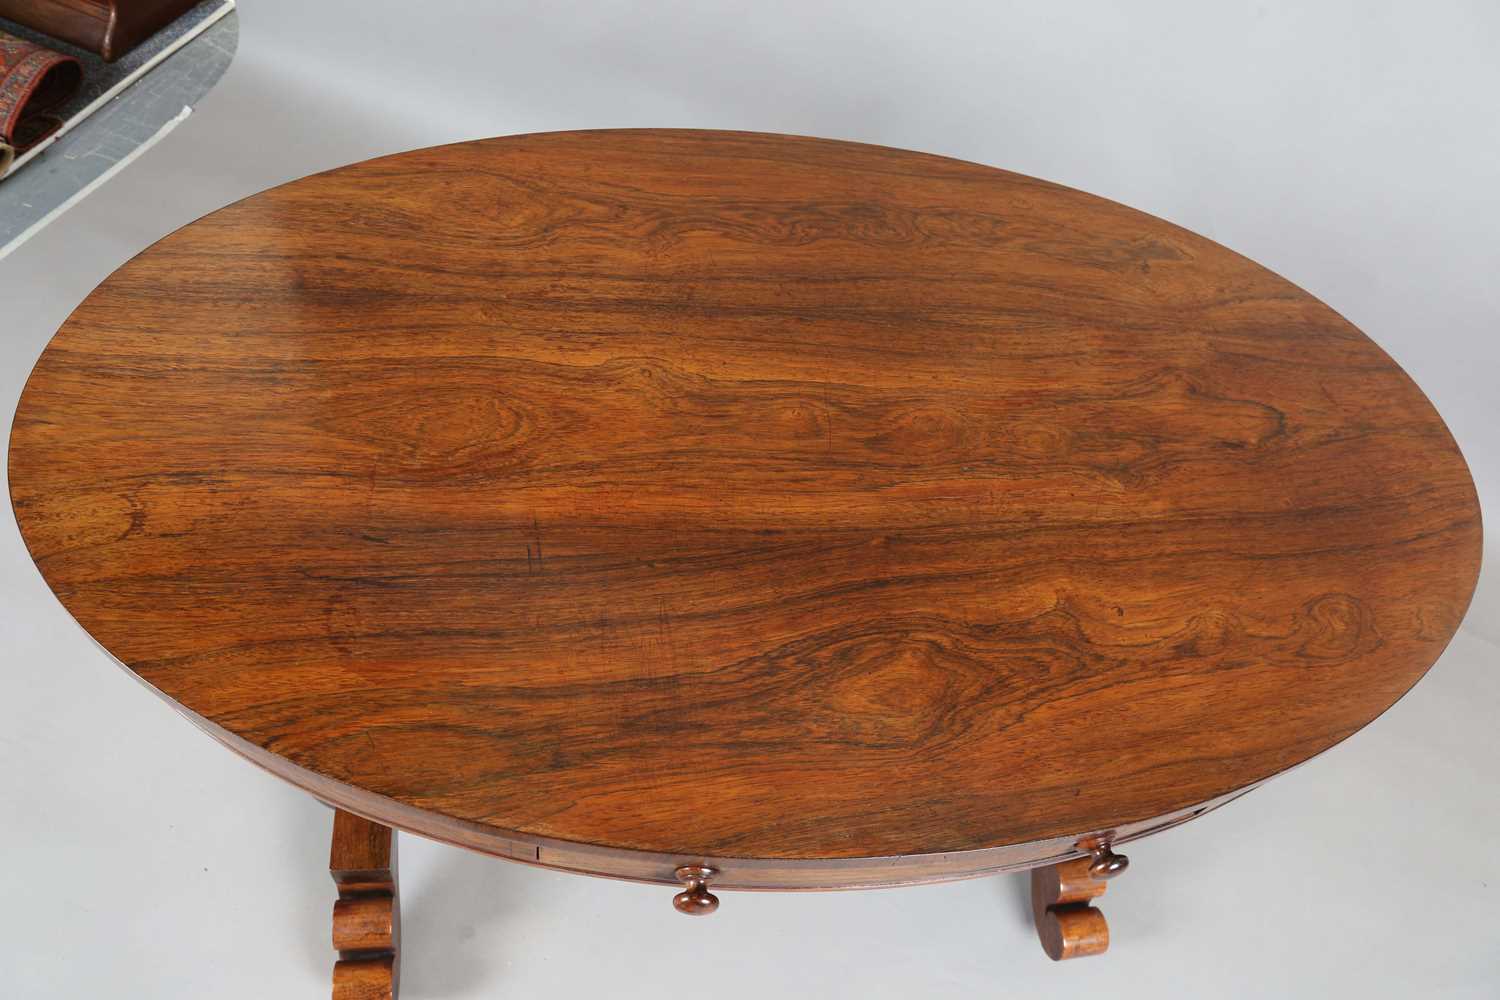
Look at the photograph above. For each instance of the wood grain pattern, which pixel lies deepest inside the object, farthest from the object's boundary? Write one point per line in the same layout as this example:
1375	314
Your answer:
367	914
1067	923
652	498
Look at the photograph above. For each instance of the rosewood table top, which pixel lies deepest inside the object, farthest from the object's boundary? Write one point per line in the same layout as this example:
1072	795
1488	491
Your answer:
830	513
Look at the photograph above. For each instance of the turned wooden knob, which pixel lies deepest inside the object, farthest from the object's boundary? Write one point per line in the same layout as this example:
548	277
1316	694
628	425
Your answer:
695	900
1106	863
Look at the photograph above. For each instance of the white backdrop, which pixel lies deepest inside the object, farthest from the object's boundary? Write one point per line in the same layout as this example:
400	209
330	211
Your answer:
1352	146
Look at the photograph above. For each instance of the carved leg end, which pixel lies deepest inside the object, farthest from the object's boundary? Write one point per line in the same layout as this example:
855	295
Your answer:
364	979
1061	894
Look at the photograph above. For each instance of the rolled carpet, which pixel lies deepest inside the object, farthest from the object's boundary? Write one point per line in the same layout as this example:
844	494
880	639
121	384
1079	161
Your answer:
33	81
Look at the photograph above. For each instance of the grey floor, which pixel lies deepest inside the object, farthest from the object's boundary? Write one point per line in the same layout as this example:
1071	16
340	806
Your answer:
1354	147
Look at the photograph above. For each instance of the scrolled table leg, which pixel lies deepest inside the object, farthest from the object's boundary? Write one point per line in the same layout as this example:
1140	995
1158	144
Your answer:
1061	894
367	914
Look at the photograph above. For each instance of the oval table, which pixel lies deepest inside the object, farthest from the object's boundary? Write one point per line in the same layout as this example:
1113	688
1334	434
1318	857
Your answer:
738	511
